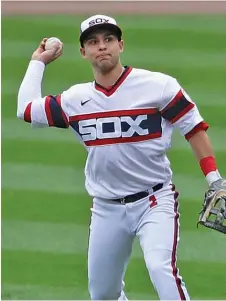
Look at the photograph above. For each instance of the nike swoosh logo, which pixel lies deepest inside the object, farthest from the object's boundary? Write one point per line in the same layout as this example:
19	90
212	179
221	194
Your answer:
84	102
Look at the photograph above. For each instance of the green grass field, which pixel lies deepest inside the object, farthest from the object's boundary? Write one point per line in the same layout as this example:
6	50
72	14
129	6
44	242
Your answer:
45	209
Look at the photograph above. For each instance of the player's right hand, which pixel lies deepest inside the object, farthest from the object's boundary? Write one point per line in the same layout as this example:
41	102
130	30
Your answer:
47	56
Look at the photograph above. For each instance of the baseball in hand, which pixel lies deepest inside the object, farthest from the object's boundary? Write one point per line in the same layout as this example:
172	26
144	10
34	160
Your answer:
52	42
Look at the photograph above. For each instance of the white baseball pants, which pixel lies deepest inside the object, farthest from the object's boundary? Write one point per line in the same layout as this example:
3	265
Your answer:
155	221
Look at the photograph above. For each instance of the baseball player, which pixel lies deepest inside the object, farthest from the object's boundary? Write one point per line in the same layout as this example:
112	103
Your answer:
124	119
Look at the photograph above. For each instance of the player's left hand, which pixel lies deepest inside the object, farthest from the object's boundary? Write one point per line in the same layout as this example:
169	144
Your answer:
214	204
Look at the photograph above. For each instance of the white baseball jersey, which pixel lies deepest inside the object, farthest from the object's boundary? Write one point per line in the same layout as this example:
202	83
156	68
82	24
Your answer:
126	129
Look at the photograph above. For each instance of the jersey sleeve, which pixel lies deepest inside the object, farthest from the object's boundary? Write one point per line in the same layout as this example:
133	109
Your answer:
35	109
178	108
47	111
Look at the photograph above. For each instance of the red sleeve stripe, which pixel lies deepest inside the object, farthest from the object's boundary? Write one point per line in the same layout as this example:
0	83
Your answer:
177	108
182	113
173	101
48	111
202	126
54	113
58	100
27	113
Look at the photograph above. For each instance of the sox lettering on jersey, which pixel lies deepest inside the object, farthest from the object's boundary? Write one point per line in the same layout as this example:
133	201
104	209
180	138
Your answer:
93	129
110	127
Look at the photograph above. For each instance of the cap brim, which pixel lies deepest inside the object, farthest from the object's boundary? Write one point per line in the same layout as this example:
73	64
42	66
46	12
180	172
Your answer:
111	27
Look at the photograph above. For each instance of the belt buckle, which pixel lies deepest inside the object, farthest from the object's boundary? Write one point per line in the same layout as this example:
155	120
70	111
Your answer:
122	201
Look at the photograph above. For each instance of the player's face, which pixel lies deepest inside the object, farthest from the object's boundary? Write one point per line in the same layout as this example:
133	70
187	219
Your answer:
102	49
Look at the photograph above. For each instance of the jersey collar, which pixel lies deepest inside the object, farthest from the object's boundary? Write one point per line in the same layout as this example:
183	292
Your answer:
112	89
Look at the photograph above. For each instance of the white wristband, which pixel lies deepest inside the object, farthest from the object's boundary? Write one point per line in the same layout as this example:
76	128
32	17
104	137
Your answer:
213	176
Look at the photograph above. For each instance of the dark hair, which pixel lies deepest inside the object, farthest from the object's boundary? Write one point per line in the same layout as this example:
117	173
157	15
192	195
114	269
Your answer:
113	29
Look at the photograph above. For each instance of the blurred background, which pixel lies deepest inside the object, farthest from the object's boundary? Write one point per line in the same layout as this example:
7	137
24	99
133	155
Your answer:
45	208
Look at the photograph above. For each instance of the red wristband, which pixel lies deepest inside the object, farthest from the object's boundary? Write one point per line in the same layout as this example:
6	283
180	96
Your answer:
208	164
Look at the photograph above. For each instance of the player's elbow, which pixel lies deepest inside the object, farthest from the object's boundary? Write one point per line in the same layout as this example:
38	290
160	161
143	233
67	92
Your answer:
20	114
20	107
24	112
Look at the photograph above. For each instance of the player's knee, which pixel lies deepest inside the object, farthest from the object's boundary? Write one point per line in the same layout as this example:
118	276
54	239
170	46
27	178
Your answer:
158	264
157	268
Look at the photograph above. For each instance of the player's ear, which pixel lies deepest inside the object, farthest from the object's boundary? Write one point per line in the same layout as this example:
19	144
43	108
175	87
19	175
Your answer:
121	45
83	53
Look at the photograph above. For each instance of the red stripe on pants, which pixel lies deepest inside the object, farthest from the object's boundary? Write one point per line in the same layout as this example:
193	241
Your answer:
173	259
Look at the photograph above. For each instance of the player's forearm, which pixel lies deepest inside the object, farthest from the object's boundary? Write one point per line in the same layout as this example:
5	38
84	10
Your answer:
201	145
204	153
30	87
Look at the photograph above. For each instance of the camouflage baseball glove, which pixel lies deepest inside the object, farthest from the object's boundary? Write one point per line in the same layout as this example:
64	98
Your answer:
213	214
